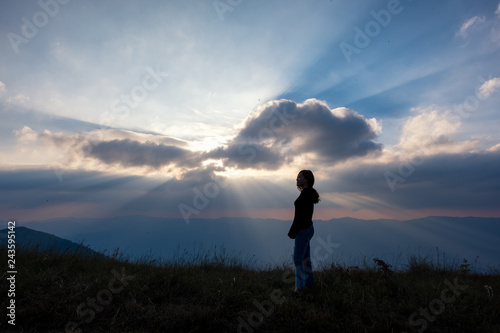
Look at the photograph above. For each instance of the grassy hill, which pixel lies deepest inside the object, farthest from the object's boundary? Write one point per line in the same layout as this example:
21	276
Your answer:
65	292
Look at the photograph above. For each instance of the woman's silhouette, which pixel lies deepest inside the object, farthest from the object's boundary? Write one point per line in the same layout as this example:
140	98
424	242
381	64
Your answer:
302	230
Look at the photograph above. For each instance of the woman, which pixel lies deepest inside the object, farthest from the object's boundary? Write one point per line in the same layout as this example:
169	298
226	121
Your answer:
302	230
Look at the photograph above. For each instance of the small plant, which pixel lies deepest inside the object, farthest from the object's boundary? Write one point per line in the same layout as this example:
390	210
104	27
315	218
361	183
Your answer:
419	265
465	267
382	266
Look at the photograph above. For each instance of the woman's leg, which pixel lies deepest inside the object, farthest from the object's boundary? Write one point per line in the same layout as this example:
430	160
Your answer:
299	253
309	280
307	259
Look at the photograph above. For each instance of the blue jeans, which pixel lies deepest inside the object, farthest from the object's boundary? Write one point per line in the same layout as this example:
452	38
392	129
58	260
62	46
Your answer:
302	259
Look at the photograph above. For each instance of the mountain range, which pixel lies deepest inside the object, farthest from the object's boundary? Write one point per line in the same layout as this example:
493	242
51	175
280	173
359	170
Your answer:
345	241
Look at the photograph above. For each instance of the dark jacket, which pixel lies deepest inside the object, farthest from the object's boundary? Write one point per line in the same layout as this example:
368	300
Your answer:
304	208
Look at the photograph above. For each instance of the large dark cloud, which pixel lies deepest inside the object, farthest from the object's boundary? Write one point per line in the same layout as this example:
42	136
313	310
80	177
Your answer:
447	181
246	155
283	130
129	153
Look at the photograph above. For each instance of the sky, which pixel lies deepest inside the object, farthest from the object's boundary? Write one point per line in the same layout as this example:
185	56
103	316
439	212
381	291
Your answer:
206	109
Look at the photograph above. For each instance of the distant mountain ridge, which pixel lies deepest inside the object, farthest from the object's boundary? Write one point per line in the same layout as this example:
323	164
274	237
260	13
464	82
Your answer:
346	241
44	242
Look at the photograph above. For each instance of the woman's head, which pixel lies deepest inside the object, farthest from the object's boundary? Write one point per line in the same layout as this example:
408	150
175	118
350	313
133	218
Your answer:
305	178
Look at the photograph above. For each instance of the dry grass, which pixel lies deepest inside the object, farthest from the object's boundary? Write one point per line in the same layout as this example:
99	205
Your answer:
217	292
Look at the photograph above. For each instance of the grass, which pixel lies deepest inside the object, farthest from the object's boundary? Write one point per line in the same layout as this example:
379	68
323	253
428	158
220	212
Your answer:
218	292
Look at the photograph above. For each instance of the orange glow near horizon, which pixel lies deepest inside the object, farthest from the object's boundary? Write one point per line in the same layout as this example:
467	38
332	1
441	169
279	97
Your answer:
88	210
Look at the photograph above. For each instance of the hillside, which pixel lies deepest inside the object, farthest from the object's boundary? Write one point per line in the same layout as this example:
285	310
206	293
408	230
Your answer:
42	241
217	292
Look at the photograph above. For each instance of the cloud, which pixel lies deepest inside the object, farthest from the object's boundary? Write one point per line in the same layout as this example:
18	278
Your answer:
447	181
470	24
109	146
452	181
279	133
284	131
430	131
249	156
13	99
128	153
19	99
26	134
434	170
490	87
498	10
495	148
428	169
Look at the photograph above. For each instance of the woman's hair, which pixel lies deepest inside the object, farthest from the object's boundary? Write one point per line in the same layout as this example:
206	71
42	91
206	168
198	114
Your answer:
308	175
